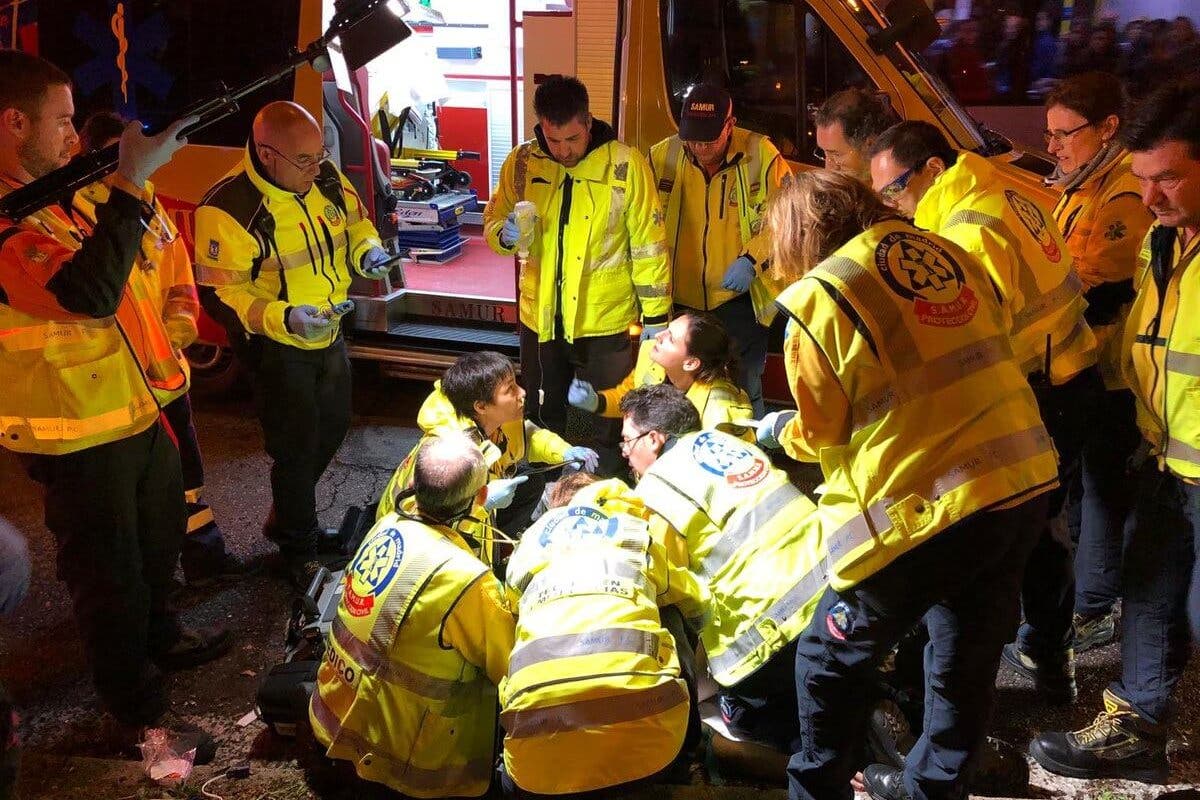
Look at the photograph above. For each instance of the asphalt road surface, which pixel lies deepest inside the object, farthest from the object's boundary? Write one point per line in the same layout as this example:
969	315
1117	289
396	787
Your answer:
42	664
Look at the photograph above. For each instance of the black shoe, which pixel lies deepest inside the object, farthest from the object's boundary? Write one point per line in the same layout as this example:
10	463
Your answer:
301	573
195	646
1118	744
1052	676
1094	631
889	737
227	569
184	736
885	783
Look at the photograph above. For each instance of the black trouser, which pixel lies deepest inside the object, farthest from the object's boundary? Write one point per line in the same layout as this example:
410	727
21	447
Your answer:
763	704
203	545
303	399
602	361
10	747
965	582
1048	590
116	511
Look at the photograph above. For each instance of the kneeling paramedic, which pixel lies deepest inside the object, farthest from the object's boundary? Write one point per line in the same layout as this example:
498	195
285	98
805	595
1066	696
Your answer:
593	698
407	690
935	462
740	526
479	395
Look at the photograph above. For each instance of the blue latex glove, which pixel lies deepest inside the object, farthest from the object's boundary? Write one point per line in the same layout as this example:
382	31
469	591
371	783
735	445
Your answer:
500	492
307	322
651	331
375	263
770	427
739	275
581	395
510	233
14	567
589	457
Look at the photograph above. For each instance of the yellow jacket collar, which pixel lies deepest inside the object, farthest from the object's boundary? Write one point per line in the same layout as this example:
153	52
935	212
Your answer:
967	175
596	164
1123	158
739	150
269	188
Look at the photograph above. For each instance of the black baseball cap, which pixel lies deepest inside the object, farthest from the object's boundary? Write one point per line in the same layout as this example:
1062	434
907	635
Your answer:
705	110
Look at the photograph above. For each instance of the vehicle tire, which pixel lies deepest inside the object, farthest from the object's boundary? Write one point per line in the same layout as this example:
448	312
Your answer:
215	370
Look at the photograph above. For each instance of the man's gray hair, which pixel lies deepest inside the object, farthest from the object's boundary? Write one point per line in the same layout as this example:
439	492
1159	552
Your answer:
449	471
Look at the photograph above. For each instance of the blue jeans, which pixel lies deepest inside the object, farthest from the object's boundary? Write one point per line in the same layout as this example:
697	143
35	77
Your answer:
965	582
1101	502
1161	585
749	342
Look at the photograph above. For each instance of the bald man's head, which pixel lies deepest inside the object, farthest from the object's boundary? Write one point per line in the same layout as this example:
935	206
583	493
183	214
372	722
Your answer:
449	471
289	144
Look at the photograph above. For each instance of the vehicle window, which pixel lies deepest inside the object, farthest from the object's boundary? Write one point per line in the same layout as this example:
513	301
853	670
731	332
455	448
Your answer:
154	59
777	75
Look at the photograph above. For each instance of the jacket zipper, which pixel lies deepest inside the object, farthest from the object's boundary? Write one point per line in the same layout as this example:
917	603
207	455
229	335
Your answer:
704	244
320	250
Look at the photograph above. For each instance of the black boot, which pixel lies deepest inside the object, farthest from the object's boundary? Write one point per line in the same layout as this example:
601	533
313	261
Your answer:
1053	675
1118	744
885	783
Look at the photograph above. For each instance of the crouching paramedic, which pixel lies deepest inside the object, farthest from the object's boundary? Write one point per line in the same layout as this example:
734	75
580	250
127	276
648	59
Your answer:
935	463
593	698
750	535
695	353
479	395
407	690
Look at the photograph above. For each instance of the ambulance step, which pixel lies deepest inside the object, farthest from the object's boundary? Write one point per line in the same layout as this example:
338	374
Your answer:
447	337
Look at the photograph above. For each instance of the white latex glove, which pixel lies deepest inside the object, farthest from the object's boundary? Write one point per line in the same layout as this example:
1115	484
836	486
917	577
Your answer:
140	155
501	491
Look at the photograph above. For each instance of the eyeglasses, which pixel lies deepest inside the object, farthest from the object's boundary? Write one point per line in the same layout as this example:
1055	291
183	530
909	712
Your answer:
627	444
897	186
304	161
1060	137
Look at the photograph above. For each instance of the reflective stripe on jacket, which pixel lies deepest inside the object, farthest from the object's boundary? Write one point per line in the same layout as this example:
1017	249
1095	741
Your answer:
407	707
166	269
973	205
604	263
943	423
1104	223
1161	346
750	535
593	696
263	249
710	222
720	402
72	381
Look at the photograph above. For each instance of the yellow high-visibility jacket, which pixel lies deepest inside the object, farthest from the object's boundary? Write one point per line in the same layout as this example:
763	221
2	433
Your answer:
973	205
407	689
593	696
750	535
166	268
940	421
1104	223
598	261
264	249
74	379
710	222
515	442
1161	348
719	402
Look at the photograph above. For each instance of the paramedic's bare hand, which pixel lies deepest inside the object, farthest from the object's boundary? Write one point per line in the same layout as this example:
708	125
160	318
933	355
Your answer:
589	457
739	276
376	264
771	427
307	322
581	395
652	331
500	492
141	155
511	232
14	567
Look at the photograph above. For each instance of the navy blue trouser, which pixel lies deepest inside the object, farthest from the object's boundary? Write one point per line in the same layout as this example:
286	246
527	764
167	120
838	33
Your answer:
1102	500
965	582
1161	586
1048	589
303	399
763	704
749	342
204	545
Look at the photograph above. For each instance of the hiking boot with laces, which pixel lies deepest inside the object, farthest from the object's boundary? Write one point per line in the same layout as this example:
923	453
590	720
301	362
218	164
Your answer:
1053	675
1118	744
1094	631
193	647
